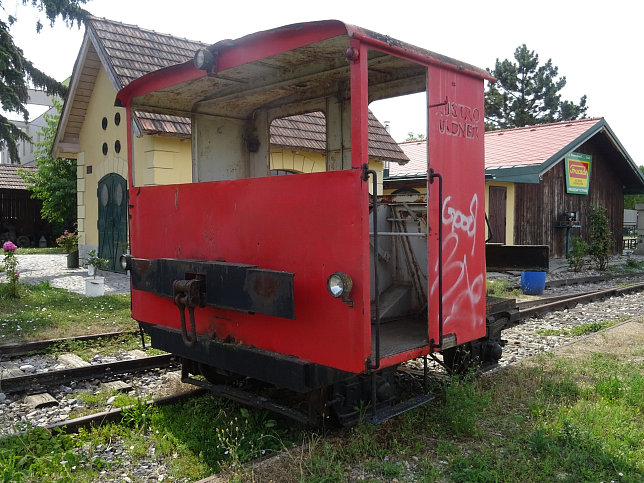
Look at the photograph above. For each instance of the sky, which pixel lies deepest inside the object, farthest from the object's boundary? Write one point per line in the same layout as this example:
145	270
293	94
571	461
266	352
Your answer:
594	44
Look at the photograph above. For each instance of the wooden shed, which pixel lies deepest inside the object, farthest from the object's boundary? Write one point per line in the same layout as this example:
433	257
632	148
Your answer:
551	195
541	181
20	219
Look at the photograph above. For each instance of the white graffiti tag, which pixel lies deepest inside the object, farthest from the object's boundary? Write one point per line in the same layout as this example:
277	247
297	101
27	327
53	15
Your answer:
459	220
463	277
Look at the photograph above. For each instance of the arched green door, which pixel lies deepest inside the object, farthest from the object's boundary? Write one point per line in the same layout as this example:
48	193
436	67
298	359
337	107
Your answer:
112	220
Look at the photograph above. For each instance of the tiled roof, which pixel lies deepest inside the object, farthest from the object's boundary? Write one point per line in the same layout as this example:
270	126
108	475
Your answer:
532	145
308	131
132	52
9	179
128	52
416	151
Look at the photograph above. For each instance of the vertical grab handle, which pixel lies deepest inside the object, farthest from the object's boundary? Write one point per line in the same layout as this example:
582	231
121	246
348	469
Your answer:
433	175
374	365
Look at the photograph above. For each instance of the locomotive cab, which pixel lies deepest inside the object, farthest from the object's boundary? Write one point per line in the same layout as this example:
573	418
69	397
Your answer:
313	280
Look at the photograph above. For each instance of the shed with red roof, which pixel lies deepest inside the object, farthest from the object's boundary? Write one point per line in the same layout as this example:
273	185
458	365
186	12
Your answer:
542	180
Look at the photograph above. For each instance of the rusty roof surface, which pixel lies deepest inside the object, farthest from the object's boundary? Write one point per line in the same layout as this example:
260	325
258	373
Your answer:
9	178
128	52
131	52
532	145
308	131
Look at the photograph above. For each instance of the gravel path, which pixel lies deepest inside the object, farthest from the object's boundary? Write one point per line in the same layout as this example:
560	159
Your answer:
53	269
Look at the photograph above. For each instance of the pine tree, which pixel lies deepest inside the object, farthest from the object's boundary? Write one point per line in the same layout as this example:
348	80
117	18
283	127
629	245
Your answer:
17	73
527	93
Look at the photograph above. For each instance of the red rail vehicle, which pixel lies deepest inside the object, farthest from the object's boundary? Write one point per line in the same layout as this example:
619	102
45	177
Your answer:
309	282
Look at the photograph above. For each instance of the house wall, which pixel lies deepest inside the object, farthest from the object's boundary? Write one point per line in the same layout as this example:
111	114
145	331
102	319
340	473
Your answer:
297	161
158	160
303	162
509	209
538	207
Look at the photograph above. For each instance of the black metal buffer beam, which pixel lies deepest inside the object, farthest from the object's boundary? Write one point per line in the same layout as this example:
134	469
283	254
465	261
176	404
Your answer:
234	286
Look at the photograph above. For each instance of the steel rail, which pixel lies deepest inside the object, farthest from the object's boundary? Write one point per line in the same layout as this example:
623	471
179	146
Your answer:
590	279
115	414
33	383
24	348
571	301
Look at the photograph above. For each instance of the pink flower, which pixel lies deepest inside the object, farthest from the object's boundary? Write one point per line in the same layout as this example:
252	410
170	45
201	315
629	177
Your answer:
9	246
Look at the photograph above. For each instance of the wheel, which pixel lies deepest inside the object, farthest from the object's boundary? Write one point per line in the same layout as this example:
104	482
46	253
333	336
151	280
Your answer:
215	375
460	359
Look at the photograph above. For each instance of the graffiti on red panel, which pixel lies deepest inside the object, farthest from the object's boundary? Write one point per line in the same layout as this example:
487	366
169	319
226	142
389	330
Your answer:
459	120
461	291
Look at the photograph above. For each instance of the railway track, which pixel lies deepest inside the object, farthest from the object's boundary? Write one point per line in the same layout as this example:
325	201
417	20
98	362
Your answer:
23	348
542	306
32	383
115	414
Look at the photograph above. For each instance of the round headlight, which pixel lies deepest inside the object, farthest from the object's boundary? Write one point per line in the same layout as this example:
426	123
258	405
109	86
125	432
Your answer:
339	284
203	59
125	261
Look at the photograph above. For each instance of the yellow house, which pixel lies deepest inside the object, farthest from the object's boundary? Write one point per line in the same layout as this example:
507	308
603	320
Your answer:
93	131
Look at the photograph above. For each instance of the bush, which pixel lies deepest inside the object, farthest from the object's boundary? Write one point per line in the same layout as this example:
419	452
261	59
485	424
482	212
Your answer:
11	267
578	252
601	238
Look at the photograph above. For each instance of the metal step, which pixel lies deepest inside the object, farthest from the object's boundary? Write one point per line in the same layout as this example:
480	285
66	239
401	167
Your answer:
388	412
395	301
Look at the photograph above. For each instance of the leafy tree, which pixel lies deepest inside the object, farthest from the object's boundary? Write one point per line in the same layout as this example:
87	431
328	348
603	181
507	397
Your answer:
55	181
631	200
17	73
527	93
414	137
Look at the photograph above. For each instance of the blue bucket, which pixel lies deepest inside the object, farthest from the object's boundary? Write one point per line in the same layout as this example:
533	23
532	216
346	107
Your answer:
533	283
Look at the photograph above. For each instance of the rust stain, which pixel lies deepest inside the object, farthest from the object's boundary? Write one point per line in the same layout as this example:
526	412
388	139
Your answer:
264	286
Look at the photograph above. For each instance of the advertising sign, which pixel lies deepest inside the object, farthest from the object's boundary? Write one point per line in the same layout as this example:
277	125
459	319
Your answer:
578	173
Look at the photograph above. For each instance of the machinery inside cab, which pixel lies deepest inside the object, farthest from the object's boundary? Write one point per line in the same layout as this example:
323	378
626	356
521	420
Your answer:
306	279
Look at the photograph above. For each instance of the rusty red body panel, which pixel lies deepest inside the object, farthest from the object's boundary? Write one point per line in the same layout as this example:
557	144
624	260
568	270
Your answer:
248	221
456	152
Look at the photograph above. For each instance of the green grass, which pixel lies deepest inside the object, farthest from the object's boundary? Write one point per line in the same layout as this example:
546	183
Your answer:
556	419
553	420
195	439
39	251
631	266
44	312
501	288
582	329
